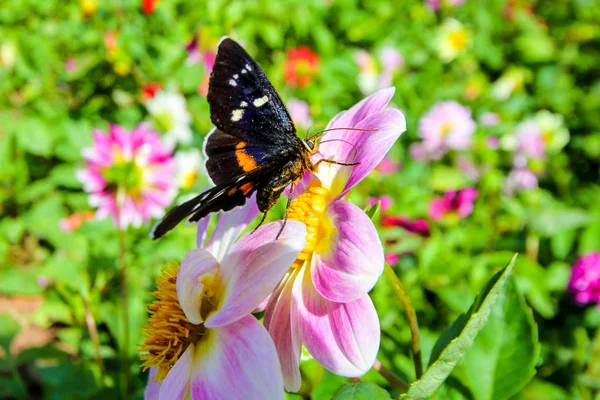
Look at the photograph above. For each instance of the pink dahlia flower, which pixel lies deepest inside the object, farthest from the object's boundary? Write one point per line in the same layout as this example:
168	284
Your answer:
585	279
457	203
519	180
300	113
213	347
323	302
385	202
129	175
418	226
529	139
448	125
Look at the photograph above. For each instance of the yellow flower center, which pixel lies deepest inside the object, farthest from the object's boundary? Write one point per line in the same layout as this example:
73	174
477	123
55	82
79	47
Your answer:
458	39
309	208
447	127
168	331
189	179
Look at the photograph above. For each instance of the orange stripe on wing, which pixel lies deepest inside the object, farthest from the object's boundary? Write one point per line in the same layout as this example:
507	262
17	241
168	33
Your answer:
245	160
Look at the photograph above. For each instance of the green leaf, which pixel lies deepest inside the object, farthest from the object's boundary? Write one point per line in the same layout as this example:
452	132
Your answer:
373	212
361	391
503	357
445	178
34	137
458	338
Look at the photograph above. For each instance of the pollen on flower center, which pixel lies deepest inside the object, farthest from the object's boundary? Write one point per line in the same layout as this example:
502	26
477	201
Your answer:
168	331
309	208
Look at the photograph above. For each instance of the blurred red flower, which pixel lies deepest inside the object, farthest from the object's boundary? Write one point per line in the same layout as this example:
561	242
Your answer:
149	90
148	6
300	66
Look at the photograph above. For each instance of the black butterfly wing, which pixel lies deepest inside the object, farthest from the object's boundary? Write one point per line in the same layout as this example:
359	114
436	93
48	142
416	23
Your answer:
243	103
219	198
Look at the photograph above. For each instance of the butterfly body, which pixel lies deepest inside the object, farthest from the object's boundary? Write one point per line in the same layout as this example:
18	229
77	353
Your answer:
254	147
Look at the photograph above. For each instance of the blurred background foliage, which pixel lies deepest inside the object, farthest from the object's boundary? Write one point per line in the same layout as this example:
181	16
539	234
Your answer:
66	68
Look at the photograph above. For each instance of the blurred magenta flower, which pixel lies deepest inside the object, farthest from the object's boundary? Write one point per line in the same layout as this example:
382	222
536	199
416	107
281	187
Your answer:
75	220
434	5
385	202
417	226
323	300
455	204
447	125
201	340
388	166
492	142
392	258
519	180
300	66
584	284
129	175
452	39
300	112
169	115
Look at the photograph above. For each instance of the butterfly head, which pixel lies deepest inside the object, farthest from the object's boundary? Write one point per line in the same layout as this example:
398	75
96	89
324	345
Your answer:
311	144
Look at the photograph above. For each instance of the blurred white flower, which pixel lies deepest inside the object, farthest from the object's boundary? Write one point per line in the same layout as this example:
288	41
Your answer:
372	77
453	39
555	134
170	117
188	167
8	55
511	81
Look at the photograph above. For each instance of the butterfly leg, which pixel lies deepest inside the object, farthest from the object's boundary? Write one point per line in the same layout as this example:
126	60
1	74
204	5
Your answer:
333	162
261	221
287	207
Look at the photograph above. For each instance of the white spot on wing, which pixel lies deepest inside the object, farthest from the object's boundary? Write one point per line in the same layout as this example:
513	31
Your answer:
232	82
236	115
243	104
235	76
244	71
248	67
260	101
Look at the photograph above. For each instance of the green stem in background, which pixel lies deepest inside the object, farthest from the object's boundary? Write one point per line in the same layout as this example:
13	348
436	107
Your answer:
90	321
411	317
124	312
393	379
593	369
532	246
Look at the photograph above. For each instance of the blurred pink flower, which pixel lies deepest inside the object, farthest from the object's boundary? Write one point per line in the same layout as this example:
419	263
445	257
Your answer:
70	65
492	142
300	112
392	258
417	226
434	5
74	221
467	167
388	166
453	203
202	317
129	175
447	125
385	202
204	54
371	77
489	119
323	300
584	284
529	139
519	180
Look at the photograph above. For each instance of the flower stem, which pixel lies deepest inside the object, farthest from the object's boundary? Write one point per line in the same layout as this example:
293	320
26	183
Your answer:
124	312
411	317
90	321
391	377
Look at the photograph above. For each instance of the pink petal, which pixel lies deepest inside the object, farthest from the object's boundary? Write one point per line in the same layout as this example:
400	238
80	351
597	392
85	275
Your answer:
349	269
229	226
285	334
152	387
201	231
373	146
254	267
236	361
175	386
342	337
197	264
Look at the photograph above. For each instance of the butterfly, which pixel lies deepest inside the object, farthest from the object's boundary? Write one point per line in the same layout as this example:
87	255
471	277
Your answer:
253	147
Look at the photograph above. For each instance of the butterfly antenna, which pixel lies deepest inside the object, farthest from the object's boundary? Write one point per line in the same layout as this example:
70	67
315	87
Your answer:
355	149
320	133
